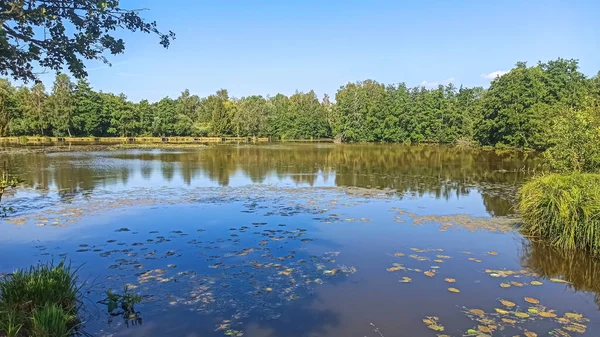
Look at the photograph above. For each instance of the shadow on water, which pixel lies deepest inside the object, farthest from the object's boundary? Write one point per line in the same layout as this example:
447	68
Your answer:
443	172
580	269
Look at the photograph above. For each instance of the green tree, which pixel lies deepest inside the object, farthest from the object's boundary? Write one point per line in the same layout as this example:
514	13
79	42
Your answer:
62	34
124	120
251	116
8	107
146	113
35	119
89	116
165	118
574	139
220	113
61	105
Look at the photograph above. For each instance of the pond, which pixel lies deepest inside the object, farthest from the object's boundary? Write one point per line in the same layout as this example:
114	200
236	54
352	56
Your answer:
299	240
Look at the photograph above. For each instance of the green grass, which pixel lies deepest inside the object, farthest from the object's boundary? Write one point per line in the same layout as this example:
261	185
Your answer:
40	301
563	210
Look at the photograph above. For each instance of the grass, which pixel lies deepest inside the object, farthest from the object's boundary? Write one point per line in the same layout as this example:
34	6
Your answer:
40	301
563	210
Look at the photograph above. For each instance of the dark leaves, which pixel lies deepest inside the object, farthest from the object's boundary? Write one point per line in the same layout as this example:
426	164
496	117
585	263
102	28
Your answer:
36	34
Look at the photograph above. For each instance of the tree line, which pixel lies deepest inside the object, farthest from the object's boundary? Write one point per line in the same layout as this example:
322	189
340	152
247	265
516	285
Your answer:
518	110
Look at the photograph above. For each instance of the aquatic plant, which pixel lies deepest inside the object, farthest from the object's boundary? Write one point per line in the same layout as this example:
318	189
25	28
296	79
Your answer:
7	181
563	209
122	304
51	321
40	301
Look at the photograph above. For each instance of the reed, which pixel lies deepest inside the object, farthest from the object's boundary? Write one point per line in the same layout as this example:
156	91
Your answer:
563	210
39	301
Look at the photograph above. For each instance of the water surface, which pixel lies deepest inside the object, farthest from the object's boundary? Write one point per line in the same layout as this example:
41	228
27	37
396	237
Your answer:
300	240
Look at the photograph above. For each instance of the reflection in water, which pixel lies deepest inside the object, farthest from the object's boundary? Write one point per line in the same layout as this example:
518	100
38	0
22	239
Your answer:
580	269
440	171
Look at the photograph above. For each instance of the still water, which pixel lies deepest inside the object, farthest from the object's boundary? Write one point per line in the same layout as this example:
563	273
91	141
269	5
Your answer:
299	240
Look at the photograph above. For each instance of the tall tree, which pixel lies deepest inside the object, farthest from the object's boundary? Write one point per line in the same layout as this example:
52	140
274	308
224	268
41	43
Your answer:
165	118
220	113
124	121
8	106
61	105
36	119
89	117
251	116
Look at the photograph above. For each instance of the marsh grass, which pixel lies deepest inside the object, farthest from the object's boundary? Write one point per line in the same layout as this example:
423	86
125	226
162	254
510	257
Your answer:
39	301
563	210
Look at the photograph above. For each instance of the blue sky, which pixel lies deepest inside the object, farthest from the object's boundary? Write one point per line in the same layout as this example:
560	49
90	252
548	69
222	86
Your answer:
266	47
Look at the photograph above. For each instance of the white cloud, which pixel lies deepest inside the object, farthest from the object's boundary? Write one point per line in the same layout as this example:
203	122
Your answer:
494	74
427	84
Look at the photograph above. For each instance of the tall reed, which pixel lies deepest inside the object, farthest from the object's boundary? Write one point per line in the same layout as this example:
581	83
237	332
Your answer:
39	301
563	210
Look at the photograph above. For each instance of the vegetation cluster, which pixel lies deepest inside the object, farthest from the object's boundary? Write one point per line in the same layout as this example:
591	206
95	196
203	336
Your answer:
40	301
524	108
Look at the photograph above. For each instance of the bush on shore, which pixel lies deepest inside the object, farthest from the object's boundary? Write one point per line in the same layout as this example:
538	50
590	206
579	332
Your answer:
39	302
563	209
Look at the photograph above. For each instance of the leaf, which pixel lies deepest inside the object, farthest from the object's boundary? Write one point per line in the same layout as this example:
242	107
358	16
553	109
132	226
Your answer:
406	279
449	280
509	321
429	273
112	305
505	285
575	316
536	283
508	304
501	311
557	280
516	284
398	254
477	312
521	314
531	300
529	334
484	329
547	314
493	253
453	290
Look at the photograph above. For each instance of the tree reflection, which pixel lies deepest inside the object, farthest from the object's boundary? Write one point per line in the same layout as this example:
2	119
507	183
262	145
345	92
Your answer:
444	172
580	269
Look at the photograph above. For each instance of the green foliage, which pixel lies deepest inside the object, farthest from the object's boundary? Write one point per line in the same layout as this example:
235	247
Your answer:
123	304
563	209
518	106
61	105
40	301
519	110
575	141
62	34
51	321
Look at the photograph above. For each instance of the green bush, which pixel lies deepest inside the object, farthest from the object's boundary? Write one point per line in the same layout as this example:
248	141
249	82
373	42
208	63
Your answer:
40	301
575	141
563	209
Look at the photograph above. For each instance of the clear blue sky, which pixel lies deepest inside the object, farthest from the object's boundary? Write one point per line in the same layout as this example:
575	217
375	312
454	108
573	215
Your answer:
266	47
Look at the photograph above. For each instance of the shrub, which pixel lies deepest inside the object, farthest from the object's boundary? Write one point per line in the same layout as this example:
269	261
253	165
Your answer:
563	209
40	301
575	141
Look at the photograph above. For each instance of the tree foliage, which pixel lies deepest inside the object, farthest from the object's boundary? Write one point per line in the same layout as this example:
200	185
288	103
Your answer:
56	34
546	106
